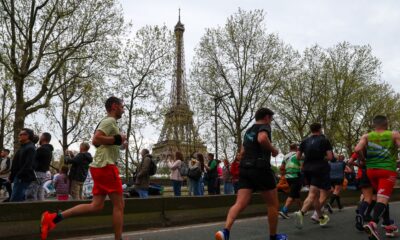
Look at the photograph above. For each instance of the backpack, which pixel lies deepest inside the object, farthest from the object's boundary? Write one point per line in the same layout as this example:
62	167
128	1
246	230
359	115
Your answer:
194	173
184	170
153	167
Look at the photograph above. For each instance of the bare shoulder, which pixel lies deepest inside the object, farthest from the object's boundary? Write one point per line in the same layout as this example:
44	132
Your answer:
395	134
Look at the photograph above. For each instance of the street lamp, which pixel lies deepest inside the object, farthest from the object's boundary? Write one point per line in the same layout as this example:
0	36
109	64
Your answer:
217	100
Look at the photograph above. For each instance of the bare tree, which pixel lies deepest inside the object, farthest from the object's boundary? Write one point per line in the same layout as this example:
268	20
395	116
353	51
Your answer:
40	37
242	60
144	64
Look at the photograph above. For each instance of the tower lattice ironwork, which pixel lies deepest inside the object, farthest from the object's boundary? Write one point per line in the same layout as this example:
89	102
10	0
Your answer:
179	132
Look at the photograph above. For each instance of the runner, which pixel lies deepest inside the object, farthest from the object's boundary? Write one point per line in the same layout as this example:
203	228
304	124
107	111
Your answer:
316	171
104	173
381	154
292	168
256	175
338	167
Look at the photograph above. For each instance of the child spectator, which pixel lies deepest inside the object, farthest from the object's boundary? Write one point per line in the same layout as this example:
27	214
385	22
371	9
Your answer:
61	184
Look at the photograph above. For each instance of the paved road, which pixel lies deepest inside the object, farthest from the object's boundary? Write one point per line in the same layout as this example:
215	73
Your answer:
340	227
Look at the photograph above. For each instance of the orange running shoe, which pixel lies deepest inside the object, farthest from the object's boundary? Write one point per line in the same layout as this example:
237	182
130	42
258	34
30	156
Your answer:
47	224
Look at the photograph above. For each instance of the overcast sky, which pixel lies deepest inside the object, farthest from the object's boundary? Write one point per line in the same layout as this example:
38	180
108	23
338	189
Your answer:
298	23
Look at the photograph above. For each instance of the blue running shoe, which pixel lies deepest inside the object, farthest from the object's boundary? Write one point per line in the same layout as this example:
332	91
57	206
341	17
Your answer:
281	236
222	235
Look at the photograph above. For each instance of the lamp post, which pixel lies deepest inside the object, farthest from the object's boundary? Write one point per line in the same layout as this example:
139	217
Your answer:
217	100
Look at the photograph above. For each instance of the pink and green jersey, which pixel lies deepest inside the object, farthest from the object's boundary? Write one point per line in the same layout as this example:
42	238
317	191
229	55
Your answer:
381	151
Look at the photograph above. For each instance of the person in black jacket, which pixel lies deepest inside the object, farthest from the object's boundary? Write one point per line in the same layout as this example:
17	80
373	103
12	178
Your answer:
22	174
79	170
44	155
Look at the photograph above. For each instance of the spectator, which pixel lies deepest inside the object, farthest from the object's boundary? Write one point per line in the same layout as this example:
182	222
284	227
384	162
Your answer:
22	173
200	158
219	179
212	174
174	165
194	176
5	168
44	155
79	169
61	184
235	174
227	177
143	176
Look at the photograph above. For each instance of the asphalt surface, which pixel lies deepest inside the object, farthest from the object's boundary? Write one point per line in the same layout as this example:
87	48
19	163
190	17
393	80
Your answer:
340	227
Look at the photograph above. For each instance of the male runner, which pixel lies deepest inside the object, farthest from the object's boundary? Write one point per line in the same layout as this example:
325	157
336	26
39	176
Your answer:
381	154
104	172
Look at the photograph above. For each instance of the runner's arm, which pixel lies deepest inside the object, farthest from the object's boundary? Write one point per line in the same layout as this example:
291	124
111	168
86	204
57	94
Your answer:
396	138
361	145
264	141
100	138
329	155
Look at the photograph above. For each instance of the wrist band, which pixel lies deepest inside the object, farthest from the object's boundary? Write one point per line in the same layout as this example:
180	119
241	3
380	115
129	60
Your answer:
117	139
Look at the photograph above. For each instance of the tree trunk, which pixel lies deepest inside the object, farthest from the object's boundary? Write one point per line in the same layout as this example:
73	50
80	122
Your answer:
3	119
19	121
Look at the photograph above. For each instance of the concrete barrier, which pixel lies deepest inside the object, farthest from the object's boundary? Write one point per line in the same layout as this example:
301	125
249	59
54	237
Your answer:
21	220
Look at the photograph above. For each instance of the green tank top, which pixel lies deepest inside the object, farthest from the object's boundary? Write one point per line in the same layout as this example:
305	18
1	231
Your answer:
381	151
292	166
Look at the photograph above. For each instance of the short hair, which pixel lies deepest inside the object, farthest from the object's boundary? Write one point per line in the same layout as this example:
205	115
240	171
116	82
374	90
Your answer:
110	101
85	145
210	155
6	150
315	127
145	151
293	146
262	112
178	156
30	133
380	121
46	136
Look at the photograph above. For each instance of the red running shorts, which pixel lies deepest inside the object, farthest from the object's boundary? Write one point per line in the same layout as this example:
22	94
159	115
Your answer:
106	180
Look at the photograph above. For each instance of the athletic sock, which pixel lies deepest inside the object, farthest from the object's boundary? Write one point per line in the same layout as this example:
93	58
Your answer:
59	217
363	208
369	209
338	202
386	216
333	197
379	209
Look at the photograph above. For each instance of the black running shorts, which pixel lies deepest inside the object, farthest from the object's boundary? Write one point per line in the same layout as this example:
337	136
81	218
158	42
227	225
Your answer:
362	179
257	179
336	182
320	180
295	185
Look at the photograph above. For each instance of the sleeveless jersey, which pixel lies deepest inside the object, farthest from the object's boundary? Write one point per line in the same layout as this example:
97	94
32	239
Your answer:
381	151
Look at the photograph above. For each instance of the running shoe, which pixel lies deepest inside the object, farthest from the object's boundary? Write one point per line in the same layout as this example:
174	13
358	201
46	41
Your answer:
47	224
391	222
281	236
371	230
315	218
324	220
329	208
391	230
359	222
284	214
298	219
222	235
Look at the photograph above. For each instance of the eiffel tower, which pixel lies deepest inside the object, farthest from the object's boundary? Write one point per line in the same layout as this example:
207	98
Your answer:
178	132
